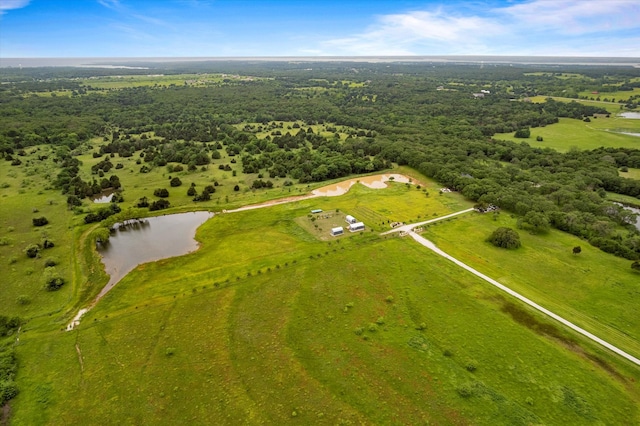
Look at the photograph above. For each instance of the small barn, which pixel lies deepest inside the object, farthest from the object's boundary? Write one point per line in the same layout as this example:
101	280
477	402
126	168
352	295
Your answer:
337	231
350	219
358	226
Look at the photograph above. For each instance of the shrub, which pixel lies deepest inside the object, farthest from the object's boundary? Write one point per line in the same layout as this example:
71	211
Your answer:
505	238
159	205
32	250
50	261
52	279
39	221
465	390
23	300
161	192
8	391
175	182
523	133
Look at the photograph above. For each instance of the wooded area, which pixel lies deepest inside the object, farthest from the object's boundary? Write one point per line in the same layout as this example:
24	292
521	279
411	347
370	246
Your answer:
342	119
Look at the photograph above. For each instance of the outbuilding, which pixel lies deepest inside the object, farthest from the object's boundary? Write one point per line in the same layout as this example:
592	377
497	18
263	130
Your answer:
350	219
314	211
358	226
337	231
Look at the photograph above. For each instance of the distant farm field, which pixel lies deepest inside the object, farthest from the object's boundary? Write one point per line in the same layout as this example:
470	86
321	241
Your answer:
612	107
570	133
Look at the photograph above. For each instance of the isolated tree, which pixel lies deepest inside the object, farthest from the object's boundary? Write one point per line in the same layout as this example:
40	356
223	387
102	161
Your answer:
175	182
636	266
577	250
523	133
505	238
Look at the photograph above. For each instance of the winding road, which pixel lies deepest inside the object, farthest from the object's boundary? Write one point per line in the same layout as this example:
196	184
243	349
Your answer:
431	246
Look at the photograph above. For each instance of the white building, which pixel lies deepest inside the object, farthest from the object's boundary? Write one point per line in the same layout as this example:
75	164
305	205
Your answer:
337	231
350	219
358	226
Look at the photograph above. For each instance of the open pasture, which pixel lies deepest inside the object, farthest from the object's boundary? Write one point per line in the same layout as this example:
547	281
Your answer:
595	291
570	133
368	330
611	107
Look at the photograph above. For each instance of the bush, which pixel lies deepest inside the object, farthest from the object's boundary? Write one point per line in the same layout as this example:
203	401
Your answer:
50	261
505	238
523	133
159	205
52	279
23	300
161	192
32	250
465	390
8	391
39	221
175	182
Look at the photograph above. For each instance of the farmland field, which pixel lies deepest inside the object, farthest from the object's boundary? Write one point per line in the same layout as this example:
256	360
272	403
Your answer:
265	323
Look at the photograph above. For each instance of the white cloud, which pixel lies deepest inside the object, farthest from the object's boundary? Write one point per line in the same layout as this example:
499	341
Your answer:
12	4
575	16
538	27
110	4
411	33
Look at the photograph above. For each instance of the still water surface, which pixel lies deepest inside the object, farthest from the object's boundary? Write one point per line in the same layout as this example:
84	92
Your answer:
149	240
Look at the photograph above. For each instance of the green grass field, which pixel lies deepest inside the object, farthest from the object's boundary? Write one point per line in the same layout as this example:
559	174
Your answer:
597	292
570	133
612	107
267	324
631	174
270	322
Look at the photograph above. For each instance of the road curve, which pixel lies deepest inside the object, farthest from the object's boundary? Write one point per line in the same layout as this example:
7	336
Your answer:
430	245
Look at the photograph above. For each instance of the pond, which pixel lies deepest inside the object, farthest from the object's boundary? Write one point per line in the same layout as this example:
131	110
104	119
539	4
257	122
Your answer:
630	114
148	240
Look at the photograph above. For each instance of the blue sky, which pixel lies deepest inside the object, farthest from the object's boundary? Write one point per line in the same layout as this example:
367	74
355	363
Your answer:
152	28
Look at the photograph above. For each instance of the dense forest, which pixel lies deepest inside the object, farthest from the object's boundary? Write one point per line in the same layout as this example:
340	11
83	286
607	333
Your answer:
439	119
